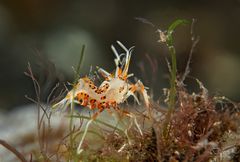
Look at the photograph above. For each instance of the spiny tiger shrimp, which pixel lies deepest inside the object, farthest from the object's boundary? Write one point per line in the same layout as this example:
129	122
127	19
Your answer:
115	89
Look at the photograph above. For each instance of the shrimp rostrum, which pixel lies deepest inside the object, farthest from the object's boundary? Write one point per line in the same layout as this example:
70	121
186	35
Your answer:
115	89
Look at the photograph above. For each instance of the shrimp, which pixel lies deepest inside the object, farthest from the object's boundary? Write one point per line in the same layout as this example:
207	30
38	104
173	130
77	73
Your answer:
115	89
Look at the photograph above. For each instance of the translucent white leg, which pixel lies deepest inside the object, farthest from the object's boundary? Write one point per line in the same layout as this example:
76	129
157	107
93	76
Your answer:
79	149
137	125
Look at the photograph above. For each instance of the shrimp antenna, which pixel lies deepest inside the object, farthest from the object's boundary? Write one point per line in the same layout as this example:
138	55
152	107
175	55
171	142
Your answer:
127	58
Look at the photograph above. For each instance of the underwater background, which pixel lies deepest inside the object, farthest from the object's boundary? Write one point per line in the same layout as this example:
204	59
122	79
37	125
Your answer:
50	33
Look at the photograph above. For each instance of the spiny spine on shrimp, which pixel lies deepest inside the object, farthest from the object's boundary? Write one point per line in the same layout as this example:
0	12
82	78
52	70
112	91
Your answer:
115	89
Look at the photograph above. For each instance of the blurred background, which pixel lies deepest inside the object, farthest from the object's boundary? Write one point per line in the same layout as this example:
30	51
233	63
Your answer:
49	34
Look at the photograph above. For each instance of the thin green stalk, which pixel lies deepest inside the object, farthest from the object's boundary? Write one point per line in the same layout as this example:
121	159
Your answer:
172	95
173	74
71	130
72	103
79	65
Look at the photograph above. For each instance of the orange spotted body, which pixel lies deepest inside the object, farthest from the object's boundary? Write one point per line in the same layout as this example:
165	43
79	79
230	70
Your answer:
114	90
